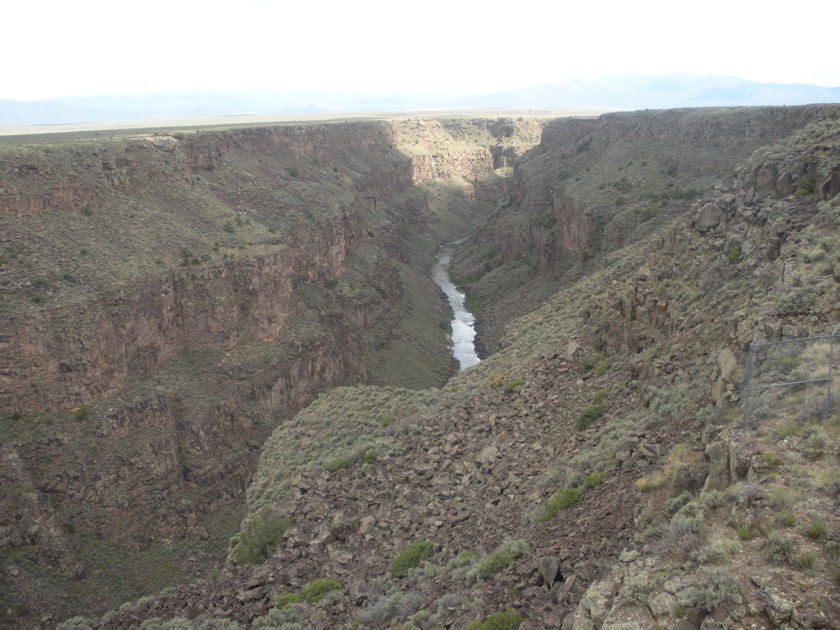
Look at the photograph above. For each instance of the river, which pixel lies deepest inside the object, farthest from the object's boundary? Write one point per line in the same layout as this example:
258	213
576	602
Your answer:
463	322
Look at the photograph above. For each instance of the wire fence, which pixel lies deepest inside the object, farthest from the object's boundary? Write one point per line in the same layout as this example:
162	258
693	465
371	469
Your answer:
792	379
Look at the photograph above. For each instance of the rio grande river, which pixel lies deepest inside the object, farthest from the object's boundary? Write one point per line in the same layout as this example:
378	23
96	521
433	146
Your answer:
463	322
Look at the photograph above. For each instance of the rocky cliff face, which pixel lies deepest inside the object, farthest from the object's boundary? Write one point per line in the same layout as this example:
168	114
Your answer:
168	299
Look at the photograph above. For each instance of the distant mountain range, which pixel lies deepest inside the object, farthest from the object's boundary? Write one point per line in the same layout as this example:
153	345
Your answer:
627	92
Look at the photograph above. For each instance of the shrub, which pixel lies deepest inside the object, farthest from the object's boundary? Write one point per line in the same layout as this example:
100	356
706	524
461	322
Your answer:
672	505
316	589
594	479
777	547
513	385
508	620
717	585
733	255
806	560
789	364
261	536
587	365
287	618
771	460
816	529
312	593
589	415
786	518
365	455
393	606
561	500
502	558
286	599
412	556
807	186
745	532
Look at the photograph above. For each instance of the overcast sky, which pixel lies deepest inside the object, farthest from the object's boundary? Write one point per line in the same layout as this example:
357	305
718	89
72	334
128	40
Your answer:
56	48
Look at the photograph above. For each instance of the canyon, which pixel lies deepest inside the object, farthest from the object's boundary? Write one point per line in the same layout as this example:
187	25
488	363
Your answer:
203	330
168	299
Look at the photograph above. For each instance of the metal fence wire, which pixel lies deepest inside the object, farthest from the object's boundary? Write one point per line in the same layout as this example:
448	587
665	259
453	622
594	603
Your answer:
792	379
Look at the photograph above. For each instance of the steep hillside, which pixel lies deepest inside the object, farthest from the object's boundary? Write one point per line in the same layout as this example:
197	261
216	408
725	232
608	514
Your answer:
168	299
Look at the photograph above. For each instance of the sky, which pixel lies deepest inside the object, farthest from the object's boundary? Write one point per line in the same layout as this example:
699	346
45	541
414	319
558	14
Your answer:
55	48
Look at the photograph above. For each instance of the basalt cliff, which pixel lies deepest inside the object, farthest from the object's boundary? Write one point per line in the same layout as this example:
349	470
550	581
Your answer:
225	372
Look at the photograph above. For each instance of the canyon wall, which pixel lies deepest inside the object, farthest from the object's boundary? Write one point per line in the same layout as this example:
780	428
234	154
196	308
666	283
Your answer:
565	209
592	186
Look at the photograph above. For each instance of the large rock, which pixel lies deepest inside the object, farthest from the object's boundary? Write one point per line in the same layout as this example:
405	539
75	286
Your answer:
708	218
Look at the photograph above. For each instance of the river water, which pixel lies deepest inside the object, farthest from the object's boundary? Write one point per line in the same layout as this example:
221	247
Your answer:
463	322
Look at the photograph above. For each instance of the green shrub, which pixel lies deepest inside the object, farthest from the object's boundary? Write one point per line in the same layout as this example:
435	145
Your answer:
365	455
589	415
600	396
286	599
312	593
594	479
786	518
816	529
337	463
806	560
807	186
733	255
316	589
412	556
745	532
494	563
513	385
261	536
561	500
771	460
777	548
502	558
508	620
587	365
717	586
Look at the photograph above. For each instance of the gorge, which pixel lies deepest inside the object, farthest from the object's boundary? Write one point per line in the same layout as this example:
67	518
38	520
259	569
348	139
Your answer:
209	333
